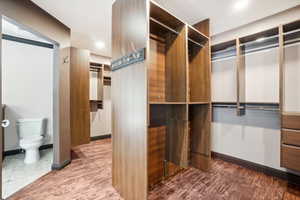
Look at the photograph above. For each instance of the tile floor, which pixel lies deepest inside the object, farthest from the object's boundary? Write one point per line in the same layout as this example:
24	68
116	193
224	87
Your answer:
17	175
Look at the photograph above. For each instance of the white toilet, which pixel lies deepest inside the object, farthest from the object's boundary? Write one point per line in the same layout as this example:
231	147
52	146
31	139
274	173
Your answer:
31	135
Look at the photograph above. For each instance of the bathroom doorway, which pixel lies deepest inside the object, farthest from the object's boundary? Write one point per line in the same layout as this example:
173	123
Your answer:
27	90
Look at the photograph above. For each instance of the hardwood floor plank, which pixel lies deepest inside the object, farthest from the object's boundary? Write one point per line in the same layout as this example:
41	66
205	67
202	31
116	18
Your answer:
89	177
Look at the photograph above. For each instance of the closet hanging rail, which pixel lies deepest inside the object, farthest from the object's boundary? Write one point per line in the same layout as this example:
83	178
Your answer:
259	41
173	31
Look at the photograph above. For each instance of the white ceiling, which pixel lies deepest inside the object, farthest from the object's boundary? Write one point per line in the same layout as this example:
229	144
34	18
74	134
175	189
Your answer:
90	20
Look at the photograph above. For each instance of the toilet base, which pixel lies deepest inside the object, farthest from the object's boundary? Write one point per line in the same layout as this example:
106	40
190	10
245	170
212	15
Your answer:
31	156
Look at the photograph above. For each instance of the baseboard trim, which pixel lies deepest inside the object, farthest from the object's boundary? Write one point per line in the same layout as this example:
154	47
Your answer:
101	137
291	178
18	151
60	166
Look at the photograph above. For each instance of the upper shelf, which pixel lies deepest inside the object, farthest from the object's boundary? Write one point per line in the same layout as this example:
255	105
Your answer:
196	36
161	15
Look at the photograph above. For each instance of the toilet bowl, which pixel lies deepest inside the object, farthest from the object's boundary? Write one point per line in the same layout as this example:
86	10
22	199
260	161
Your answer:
31	135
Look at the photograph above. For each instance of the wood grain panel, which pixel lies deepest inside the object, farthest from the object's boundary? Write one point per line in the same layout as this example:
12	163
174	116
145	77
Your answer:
241	78
199	73
80	103
62	144
290	121
177	135
290	157
129	97
290	137
156	154
203	26
156	72
200	125
176	66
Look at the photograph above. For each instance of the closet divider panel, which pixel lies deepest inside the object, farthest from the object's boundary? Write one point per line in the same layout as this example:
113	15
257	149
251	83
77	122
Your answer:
241	78
199	129
176	66
129	97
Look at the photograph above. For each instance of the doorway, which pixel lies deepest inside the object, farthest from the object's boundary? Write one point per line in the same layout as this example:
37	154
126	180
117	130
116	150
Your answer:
28	105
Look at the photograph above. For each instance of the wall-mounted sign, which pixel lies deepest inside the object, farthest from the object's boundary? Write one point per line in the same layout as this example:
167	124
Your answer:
130	59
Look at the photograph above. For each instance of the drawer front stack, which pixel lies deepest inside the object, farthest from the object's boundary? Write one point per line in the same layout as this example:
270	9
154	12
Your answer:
290	142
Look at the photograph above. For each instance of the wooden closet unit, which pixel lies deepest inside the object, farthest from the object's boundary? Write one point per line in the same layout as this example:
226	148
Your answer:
290	95
161	104
282	86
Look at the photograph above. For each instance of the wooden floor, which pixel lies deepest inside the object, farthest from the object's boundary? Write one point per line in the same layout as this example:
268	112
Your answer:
88	177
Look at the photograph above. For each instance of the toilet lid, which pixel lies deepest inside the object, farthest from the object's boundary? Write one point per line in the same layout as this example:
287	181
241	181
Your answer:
31	140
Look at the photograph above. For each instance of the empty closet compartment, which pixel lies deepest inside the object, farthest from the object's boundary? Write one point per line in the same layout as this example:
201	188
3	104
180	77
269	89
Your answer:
199	67
167	141
291	68
199	134
167	63
224	72
259	64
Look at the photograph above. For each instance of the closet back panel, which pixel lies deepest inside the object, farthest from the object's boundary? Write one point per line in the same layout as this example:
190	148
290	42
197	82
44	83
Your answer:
157	79
262	76
292	78
224	80
199	73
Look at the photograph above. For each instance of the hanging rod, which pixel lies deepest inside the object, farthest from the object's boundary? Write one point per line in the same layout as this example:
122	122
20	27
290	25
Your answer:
174	31
263	107
224	106
224	50
261	48
257	41
291	32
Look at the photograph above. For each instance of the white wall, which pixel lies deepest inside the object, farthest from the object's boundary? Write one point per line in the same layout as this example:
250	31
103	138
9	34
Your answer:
262	76
224	80
27	86
254	137
292	78
101	119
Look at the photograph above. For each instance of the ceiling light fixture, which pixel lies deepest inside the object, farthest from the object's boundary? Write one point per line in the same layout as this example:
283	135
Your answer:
100	45
240	5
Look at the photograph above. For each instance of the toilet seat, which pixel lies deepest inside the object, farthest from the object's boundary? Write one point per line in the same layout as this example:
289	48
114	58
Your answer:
31	140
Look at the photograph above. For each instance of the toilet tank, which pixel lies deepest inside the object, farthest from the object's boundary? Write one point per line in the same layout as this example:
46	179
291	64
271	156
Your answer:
28	128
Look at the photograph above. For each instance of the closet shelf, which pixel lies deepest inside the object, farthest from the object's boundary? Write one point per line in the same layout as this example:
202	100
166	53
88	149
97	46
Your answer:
200	102
196	36
166	103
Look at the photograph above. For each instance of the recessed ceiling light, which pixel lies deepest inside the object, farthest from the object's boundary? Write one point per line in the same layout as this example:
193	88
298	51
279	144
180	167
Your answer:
100	45
240	5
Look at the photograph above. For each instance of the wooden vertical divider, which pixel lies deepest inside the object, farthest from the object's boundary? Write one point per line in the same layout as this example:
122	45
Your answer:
241	81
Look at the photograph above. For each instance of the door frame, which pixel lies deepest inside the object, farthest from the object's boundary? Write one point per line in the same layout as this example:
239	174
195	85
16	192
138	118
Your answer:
55	91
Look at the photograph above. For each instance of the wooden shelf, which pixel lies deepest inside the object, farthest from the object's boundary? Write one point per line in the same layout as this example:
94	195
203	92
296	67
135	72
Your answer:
167	103
191	103
196	36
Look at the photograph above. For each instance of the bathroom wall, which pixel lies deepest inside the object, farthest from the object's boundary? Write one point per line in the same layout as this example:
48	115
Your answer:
27	86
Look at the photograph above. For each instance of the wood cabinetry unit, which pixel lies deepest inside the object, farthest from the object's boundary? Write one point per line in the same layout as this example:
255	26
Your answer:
161	104
79	96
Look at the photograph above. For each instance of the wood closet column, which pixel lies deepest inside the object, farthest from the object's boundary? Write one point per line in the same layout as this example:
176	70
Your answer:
79	96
